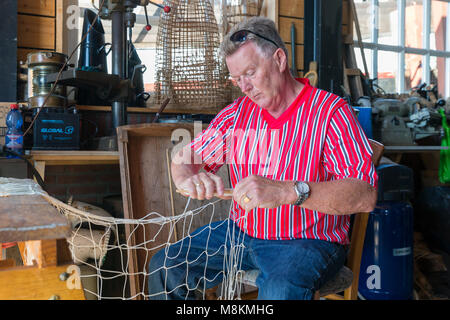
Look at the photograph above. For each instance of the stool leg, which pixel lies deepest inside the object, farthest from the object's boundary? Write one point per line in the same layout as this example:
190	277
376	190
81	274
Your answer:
317	295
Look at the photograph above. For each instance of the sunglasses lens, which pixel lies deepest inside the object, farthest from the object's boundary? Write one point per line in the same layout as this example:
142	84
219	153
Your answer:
239	36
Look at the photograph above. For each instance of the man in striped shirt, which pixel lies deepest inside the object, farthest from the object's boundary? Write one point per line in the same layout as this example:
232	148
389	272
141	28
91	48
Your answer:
299	164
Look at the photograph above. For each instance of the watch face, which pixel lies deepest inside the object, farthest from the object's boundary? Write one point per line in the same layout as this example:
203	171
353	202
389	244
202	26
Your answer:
303	187
302	190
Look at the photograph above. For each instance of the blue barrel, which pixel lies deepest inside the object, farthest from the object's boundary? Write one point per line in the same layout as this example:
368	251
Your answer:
387	262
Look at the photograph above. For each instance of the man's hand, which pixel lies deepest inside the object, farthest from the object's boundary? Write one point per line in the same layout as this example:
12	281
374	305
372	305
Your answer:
256	191
203	185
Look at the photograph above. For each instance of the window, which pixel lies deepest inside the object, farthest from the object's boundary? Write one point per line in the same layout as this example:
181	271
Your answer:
406	42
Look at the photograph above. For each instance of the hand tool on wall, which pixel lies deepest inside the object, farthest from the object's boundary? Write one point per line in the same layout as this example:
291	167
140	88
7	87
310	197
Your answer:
163	106
294	71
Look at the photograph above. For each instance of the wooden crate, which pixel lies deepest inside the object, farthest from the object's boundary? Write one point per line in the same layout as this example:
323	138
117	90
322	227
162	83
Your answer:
144	152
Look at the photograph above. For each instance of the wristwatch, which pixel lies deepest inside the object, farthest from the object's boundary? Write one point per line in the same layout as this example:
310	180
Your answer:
303	191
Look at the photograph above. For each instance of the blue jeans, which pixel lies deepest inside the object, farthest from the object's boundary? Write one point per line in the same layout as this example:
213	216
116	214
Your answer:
289	269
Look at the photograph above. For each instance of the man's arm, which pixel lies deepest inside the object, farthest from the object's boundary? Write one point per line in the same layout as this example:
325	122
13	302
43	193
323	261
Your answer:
344	196
338	197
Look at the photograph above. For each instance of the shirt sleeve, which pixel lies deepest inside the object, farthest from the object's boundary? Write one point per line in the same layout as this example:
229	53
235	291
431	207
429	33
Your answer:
212	144
347	152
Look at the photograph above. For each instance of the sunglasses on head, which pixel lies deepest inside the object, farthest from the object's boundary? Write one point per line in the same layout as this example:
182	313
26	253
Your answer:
241	36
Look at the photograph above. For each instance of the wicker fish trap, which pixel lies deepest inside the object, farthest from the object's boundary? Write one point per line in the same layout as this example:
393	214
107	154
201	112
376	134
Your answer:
188	68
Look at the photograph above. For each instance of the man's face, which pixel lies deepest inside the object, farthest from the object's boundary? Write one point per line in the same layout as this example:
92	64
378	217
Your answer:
256	74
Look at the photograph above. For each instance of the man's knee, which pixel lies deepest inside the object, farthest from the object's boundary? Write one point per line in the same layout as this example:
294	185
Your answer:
284	288
157	261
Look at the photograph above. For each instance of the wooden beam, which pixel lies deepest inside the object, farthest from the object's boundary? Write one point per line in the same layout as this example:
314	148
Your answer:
40	253
59	24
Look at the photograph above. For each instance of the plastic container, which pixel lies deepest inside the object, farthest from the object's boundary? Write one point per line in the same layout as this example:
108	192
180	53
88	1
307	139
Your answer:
387	262
388	258
14	133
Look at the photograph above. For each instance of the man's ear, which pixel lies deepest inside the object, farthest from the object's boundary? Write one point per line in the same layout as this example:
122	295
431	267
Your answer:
280	59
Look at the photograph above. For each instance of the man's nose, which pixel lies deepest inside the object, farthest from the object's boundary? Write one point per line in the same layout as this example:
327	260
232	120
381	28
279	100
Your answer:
246	85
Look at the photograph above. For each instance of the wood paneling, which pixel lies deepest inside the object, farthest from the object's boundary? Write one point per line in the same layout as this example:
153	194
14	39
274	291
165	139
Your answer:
292	8
293	11
299	61
285	29
35	32
38	7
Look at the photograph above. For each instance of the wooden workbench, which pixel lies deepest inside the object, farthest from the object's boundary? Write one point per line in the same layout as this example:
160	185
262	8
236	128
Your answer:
30	217
42	158
32	220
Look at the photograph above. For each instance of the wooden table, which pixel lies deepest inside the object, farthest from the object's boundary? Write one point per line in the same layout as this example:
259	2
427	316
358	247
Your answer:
30	217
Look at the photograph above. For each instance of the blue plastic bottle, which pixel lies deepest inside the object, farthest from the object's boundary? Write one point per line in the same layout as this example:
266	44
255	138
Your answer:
14	133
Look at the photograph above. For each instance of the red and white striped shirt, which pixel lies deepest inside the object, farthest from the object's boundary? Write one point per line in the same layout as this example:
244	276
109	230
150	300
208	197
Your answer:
318	138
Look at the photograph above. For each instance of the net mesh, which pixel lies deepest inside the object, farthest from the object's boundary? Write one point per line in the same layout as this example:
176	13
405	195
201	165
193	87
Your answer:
104	248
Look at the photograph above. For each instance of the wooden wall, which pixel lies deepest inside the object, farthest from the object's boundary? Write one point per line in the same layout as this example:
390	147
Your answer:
292	11
39	26
288	11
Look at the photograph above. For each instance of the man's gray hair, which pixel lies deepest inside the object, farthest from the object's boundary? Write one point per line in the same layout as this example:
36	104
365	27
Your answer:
261	25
